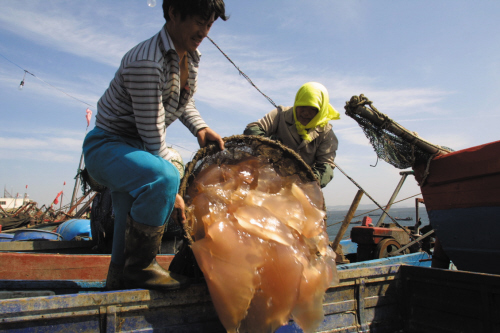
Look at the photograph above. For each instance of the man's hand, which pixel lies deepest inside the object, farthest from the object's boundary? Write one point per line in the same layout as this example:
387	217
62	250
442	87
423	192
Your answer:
207	134
179	212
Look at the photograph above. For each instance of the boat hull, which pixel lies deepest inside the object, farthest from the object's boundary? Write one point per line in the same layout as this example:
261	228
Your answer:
376	299
47	266
476	251
94	267
462	198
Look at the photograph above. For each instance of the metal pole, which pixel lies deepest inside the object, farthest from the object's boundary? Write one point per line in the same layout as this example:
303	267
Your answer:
404	174
417	215
77	183
347	220
398	251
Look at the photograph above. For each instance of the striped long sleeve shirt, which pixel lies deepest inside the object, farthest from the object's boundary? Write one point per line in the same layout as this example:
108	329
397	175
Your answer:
144	97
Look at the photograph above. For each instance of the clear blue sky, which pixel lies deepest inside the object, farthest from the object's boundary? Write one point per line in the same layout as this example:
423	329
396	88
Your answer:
431	65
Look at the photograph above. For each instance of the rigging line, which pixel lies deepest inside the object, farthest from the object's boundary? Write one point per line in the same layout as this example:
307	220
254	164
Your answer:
14	63
271	101
375	202
243	74
364	213
92	106
79	100
173	144
26	71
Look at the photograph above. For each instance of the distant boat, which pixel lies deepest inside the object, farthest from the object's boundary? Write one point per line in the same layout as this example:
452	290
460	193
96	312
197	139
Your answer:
408	218
374	214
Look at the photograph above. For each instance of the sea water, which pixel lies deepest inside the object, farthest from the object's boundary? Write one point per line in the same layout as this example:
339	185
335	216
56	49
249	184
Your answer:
335	218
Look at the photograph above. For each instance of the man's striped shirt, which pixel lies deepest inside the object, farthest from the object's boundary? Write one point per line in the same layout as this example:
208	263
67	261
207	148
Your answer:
144	97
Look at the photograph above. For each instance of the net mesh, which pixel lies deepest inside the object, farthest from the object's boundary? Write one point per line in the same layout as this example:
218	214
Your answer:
239	147
399	150
285	162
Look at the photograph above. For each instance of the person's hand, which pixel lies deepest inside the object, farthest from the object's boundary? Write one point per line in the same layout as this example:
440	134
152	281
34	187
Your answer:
207	134
179	212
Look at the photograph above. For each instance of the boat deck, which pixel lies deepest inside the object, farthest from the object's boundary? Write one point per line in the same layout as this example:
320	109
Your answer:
396	298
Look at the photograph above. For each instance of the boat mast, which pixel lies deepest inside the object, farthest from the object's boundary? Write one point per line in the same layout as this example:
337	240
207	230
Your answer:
77	182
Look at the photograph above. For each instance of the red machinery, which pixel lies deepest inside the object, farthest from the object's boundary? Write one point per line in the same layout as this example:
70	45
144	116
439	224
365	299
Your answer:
378	242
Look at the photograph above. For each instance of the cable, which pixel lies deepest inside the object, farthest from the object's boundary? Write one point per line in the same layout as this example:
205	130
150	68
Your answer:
243	74
26	71
60	90
271	101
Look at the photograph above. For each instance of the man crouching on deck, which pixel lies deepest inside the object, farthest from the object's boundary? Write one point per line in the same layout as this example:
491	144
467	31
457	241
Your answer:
126	151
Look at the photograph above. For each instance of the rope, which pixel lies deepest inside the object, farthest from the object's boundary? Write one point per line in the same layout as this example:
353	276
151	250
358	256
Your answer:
363	100
368	212
243	74
375	202
28	72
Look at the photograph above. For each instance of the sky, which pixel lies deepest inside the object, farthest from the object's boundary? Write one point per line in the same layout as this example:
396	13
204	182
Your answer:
433	66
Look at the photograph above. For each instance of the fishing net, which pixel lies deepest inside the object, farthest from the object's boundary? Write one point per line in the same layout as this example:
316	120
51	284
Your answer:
238	148
391	141
9	222
256	229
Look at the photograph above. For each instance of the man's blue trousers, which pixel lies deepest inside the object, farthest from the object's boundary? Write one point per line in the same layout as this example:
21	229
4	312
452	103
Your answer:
142	184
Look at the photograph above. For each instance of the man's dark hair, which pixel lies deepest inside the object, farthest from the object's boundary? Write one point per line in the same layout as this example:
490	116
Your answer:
203	8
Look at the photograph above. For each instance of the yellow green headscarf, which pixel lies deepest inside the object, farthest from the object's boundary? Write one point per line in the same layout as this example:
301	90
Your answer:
314	94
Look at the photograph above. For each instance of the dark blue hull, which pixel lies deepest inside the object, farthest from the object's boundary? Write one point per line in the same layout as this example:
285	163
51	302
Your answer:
470	237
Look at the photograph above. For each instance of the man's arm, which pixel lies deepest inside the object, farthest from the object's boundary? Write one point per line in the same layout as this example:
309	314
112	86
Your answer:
191	117
205	135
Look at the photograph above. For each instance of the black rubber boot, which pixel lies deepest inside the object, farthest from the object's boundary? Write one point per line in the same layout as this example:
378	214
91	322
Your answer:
141	269
114	280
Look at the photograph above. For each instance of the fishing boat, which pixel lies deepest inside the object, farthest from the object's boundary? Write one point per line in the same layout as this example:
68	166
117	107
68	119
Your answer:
461	189
462	197
408	218
395	298
378	297
63	287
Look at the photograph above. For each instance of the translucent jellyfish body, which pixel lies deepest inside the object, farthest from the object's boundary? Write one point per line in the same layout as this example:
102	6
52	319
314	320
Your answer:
260	240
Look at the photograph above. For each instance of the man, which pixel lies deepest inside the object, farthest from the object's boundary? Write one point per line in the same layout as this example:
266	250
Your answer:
126	151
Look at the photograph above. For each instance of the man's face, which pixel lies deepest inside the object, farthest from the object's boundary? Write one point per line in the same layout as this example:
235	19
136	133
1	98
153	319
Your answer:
305	114
187	35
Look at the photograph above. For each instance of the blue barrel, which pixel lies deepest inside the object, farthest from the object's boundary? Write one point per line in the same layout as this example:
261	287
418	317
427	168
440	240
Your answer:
34	234
6	237
73	228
